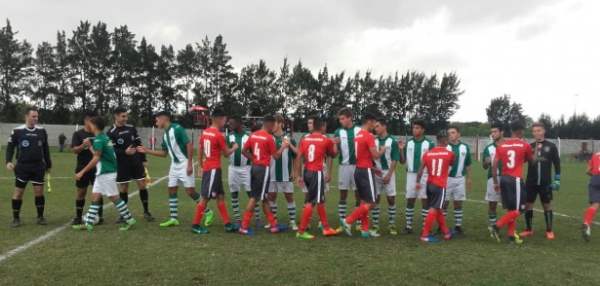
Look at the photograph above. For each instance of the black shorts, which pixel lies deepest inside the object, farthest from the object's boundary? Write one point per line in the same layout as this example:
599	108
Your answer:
129	170
29	172
594	189
436	196
315	186
87	179
513	192
212	184
365	184
545	193
259	182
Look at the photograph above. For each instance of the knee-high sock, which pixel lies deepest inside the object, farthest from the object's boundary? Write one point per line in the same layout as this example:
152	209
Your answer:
200	207
424	213
79	205
323	215
101	210
40	203
431	217
458	217
257	212
507	218
270	217
223	212
235	206
375	216
441	219
342	207
511	228
549	217
124	197
409	213
273	206
92	213
16	208
173	203
306	215
392	215
364	222
492	218
291	207
123	209
528	219
357	214
144	198
246	219
588	217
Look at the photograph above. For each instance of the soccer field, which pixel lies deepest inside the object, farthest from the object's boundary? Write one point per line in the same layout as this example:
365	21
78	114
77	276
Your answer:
149	255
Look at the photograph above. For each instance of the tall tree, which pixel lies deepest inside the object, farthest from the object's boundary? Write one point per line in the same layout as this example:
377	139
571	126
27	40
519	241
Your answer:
79	60
502	110
15	68
124	61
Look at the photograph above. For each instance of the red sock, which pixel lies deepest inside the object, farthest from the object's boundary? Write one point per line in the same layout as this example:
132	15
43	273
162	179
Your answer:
200	207
323	215
511	228
246	219
357	214
364	222
305	220
441	219
589	214
269	215
429	219
223	212
507	218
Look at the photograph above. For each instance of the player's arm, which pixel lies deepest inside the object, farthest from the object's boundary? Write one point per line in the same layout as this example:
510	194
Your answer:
420	175
10	151
46	149
90	165
190	154
486	163
227	150
77	145
402	148
157	153
298	168
284	146
200	156
495	165
138	142
557	169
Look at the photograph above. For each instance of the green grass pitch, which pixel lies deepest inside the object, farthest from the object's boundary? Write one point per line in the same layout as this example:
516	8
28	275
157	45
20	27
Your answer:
149	255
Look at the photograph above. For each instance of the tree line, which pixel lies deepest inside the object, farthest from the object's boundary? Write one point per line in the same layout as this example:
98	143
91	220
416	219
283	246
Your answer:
96	68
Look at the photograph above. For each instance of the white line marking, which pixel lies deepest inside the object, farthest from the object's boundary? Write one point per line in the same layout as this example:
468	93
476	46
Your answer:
57	230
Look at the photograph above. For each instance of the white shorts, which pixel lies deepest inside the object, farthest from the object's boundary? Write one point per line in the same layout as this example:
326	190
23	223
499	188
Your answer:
178	174
281	187
239	177
106	185
346	177
411	184
390	188
456	189
491	195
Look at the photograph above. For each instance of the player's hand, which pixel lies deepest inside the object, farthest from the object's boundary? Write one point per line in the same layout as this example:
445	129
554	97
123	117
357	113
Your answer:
130	150
285	143
235	146
497	188
141	149
401	144
190	170
87	143
418	187
78	176
10	166
300	182
327	178
387	178
556	184
336	140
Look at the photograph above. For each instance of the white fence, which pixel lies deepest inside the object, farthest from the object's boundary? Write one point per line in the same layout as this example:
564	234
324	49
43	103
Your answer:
567	146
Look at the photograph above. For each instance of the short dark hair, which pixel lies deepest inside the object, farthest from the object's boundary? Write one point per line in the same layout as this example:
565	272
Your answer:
345	111
497	125
442	134
538	124
382	121
119	110
269	118
517	126
236	118
454	127
369	116
163	113
419	122
279	118
318	123
99	122
89	114
30	109
218	112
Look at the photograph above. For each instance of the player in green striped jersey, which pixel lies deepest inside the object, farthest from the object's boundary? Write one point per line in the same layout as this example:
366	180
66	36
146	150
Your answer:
411	154
105	162
344	139
385	176
281	173
239	167
459	180
180	148
489	153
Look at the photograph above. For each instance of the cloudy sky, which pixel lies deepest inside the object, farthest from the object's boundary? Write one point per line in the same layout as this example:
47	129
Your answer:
546	54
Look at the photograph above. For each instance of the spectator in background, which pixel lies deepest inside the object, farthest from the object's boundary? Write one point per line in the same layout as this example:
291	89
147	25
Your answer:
61	141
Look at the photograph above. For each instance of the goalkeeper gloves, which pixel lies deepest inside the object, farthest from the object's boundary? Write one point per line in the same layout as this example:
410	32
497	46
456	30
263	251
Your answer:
556	184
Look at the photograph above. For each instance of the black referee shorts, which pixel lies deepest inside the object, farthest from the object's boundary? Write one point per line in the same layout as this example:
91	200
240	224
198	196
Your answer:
365	184
259	182
212	184
87	179
544	192
130	169
315	186
29	172
512	191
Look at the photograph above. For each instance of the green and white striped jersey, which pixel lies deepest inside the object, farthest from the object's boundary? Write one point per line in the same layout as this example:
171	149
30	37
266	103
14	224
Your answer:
281	169
346	145
392	152
108	158
414	151
237	159
462	159
490	152
175	140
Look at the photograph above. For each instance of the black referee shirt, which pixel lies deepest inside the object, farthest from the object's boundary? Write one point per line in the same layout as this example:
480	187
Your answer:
123	137
31	145
85	156
540	173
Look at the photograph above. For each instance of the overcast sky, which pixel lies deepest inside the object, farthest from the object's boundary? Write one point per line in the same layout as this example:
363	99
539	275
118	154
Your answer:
543	53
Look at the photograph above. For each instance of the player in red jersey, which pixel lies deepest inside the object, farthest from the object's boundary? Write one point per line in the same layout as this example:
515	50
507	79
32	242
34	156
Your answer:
366	152
259	149
313	151
512	153
594	196
437	161
211	146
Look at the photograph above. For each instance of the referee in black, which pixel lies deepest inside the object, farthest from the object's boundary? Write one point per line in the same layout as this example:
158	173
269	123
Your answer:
540	181
81	144
130	164
33	161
